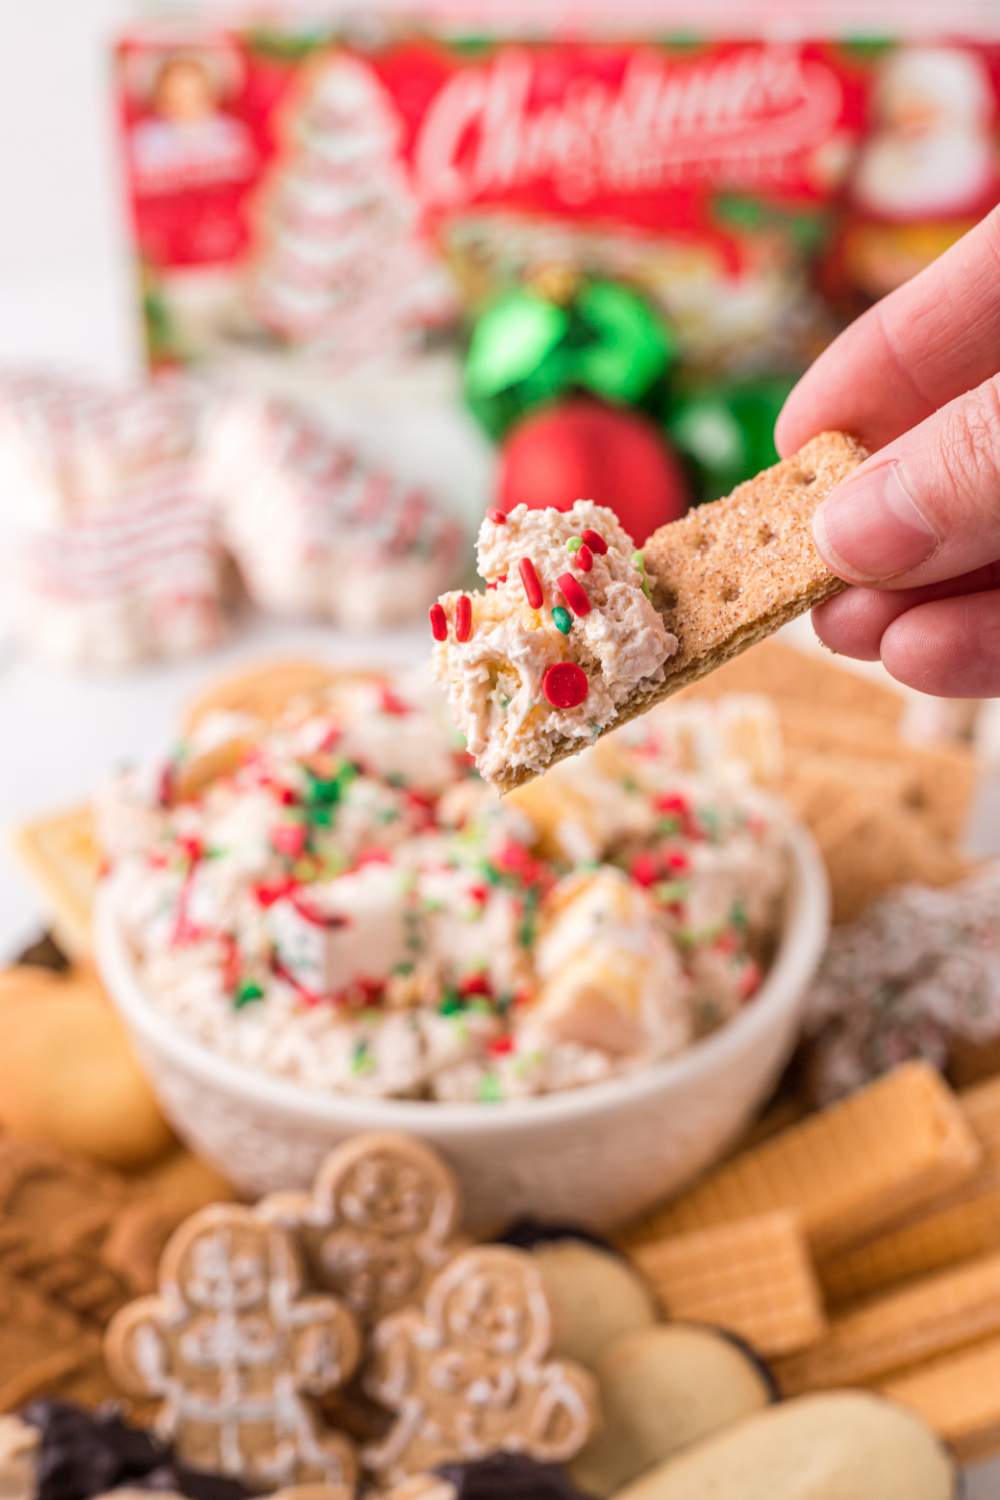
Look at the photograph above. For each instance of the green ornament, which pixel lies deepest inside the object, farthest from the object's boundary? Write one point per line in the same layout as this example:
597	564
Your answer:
725	431
529	348
562	619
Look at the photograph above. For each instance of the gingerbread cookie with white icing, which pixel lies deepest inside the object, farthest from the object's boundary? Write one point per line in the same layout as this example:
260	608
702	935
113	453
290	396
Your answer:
469	1373
235	1353
380	1222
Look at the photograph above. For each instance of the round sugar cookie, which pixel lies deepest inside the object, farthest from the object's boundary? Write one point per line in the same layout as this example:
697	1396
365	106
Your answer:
662	1389
68	1076
844	1445
595	1296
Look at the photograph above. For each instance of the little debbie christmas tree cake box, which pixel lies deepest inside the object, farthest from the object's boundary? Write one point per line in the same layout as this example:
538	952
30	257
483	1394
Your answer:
329	192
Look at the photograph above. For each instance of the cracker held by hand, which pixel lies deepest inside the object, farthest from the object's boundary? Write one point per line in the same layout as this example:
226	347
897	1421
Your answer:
577	632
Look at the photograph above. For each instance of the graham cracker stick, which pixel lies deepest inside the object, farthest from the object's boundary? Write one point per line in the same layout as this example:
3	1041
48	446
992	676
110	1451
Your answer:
845	1172
902	1328
753	1278
958	1396
732	572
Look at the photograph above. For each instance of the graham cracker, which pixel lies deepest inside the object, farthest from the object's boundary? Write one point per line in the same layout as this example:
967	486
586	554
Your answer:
845	1172
733	571
940	781
61	855
870	849
753	1278
792	676
958	1396
958	1226
900	1329
262	691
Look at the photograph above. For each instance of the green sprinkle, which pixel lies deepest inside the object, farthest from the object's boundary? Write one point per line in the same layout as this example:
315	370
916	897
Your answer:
574	544
562	619
362	1060
490	1091
672	890
248	991
738	915
451	1003
403	969
640	561
646	589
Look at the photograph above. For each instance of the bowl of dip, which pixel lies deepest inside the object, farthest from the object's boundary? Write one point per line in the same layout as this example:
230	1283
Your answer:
580	995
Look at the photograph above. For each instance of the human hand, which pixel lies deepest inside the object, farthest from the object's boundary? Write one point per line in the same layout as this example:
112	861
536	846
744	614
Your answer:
917	527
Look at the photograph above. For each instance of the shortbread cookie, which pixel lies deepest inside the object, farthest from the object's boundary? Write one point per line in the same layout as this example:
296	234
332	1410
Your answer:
842	1446
662	1389
596	1296
577	634
380	1222
235	1354
469	1373
264	691
68	1076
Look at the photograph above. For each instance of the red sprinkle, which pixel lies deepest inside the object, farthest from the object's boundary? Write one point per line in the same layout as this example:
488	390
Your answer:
501	1045
584	558
677	861
672	803
497	516
480	893
290	839
439	622
644	869
594	541
576	595
565	684
193	848
532	587
475	984
267	893
463	618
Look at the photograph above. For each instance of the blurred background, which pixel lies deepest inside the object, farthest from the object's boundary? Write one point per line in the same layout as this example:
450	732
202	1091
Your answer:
498	252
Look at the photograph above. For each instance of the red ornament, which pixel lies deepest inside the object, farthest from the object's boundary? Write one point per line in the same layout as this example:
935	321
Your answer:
585	450
565	685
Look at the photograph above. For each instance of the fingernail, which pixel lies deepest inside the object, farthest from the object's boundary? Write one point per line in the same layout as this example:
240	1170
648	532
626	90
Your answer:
871	529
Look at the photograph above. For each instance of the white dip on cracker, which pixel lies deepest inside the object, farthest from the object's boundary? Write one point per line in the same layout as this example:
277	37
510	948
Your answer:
339	899
559	640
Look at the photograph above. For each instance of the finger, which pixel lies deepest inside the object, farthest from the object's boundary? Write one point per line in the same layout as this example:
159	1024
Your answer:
924	344
927	506
854	622
949	648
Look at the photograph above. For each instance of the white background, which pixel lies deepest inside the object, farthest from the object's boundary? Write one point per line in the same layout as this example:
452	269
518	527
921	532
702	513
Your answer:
64	296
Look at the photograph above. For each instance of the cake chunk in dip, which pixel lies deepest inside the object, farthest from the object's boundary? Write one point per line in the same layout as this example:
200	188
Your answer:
561	637
338	899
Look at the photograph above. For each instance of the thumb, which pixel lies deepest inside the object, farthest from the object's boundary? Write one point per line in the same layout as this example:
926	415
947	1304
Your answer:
924	508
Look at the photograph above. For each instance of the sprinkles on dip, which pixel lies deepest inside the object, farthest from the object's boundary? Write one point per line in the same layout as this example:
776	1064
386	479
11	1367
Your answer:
343	901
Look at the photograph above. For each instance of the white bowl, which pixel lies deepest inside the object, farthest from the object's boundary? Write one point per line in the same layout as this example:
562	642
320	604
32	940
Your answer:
596	1155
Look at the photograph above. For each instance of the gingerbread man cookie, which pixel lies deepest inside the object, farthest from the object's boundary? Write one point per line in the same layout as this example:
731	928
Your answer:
379	1224
468	1374
234	1351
